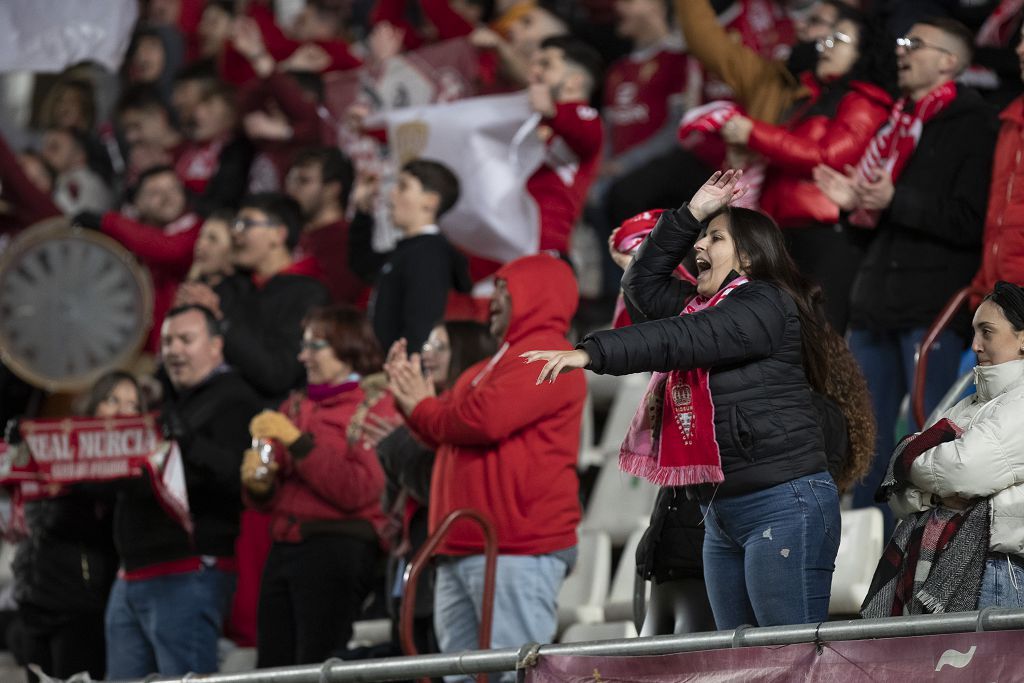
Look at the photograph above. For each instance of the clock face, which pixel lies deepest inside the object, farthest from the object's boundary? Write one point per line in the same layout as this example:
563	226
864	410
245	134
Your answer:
74	304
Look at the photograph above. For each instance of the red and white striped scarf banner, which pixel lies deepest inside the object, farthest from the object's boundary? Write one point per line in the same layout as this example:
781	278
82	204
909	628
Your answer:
57	453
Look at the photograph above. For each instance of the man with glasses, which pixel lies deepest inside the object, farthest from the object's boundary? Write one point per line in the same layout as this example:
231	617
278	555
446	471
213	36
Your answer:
263	327
921	189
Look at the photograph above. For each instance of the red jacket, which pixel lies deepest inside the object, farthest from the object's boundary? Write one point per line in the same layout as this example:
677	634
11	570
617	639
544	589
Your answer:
167	252
1003	243
790	195
340	479
505	446
560	185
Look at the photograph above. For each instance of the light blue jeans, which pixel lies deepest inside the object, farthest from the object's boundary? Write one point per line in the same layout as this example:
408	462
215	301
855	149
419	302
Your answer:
769	555
167	625
1002	583
525	609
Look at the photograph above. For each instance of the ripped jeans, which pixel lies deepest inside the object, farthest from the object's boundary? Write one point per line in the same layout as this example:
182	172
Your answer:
769	555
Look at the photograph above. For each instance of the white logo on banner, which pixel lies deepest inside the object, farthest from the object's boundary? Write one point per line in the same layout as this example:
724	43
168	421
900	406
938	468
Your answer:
956	659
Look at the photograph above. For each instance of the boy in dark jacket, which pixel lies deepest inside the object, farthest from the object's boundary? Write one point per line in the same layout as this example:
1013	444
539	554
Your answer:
414	279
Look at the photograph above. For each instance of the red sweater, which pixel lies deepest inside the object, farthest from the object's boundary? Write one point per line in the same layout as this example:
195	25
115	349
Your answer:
507	447
338	480
167	252
235	68
328	248
1003	243
790	195
560	185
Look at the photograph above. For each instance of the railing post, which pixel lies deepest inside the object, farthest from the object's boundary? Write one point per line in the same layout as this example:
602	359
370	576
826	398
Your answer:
942	321
419	563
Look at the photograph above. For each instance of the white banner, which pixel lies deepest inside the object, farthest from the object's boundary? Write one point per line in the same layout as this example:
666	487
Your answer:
50	35
491	144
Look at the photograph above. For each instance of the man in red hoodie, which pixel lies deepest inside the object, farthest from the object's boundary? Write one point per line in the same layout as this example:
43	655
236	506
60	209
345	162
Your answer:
508	449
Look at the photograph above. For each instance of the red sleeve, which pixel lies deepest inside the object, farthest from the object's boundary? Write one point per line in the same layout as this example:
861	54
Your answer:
845	140
505	402
348	475
286	92
29	203
580	126
341	55
151	244
449	23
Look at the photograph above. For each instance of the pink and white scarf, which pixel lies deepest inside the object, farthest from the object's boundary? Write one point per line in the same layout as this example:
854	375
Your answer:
671	439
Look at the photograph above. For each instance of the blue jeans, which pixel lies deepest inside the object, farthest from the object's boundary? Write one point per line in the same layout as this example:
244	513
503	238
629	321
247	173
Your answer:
1002	583
167	625
525	609
887	361
769	555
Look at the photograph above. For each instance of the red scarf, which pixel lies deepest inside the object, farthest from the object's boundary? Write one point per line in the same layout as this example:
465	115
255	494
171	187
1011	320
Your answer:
895	142
1000	27
671	440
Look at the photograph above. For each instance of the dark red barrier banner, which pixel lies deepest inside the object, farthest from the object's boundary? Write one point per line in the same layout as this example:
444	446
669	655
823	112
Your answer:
981	657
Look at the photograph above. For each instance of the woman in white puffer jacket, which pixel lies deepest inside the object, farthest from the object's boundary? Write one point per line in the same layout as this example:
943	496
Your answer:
987	459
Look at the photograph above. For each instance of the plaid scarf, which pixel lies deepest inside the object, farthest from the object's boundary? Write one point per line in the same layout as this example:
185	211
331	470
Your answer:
895	142
934	561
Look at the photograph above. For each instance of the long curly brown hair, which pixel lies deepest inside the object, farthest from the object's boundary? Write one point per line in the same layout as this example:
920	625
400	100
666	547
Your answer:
830	367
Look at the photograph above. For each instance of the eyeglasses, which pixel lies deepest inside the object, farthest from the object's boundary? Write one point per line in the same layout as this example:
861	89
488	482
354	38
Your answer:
439	347
829	42
913	44
314	344
243	224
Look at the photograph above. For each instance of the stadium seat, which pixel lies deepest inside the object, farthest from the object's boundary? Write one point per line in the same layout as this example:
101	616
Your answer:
581	599
370	632
614	630
859	550
619	604
628	395
619	503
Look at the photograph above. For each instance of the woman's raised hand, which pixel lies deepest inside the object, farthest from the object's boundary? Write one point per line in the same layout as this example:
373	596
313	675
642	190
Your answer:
557	362
720	190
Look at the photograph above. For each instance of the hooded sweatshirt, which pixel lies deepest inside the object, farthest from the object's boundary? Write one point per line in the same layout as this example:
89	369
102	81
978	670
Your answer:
505	446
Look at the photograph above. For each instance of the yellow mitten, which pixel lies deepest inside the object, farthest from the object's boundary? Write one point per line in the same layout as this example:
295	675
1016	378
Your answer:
271	424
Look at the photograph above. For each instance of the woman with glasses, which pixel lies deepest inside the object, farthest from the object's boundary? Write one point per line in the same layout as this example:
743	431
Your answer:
845	100
321	482
452	347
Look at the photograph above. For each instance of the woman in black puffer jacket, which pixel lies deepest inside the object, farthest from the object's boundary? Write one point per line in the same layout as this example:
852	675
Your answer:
733	419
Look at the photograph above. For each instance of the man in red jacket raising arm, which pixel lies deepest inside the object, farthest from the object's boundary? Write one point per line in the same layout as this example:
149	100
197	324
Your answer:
508	450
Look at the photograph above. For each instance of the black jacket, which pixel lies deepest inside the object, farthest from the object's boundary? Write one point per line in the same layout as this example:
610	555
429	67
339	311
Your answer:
928	242
68	562
211	422
263	332
765	422
411	283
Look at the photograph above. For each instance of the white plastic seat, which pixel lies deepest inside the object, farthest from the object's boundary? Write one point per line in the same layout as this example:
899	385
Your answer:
859	551
619	604
370	632
619	503
582	596
613	630
628	395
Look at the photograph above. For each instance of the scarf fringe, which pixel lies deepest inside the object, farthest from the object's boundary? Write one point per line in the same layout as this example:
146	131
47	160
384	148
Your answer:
645	467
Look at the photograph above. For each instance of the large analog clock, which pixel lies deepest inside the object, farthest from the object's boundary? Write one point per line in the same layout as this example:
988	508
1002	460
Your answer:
74	304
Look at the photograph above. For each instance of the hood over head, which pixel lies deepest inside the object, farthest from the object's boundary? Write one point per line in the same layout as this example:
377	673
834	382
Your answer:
544	295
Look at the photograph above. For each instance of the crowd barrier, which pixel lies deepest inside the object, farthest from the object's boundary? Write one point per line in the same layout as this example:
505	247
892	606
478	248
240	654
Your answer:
526	657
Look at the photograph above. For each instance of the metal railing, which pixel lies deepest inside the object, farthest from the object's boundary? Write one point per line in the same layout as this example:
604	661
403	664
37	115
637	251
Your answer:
945	316
497	661
419	563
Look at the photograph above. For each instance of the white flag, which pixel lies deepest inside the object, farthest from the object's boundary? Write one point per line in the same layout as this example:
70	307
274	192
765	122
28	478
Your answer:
491	144
50	35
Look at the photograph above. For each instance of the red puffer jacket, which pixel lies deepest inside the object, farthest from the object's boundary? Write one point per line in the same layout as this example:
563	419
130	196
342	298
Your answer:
789	195
336	487
1003	243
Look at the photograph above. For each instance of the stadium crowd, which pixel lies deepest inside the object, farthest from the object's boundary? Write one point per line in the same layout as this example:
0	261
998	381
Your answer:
768	202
